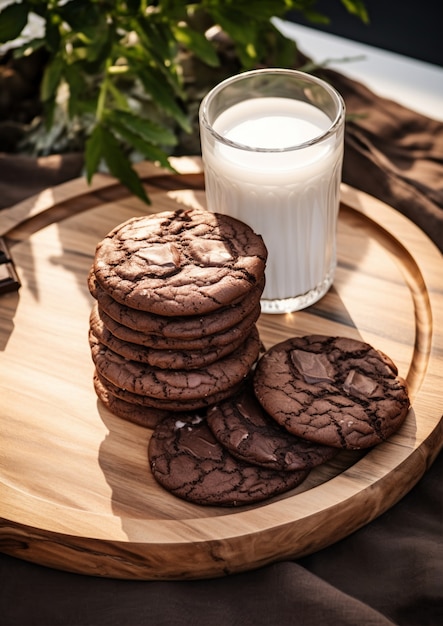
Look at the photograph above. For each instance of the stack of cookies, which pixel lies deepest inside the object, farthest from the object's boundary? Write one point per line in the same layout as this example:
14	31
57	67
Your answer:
176	348
173	327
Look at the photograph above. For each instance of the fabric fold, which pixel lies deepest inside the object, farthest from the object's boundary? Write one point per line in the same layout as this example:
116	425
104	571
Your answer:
394	154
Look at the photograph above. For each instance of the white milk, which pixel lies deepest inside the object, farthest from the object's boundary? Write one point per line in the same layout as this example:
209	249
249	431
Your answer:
290	197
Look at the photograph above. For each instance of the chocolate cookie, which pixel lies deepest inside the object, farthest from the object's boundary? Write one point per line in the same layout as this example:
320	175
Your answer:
176	384
147	417
183	262
188	461
171	406
165	359
242	426
332	390
208	342
177	327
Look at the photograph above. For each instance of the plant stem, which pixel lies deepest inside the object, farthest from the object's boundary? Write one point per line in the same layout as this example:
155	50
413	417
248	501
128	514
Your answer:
101	100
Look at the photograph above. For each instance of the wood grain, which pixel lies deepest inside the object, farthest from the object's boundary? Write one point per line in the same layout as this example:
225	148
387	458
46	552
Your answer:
75	487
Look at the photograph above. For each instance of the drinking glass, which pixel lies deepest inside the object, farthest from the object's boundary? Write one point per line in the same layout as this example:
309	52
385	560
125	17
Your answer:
272	149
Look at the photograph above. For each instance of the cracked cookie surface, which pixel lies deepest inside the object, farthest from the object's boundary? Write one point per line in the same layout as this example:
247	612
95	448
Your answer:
213	342
163	358
188	327
332	390
242	426
143	379
184	262
148	417
161	404
188	461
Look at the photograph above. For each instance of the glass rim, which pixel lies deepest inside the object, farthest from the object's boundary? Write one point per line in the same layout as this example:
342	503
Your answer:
335	123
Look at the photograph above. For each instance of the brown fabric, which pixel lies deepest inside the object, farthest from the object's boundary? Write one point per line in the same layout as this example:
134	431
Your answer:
394	154
388	572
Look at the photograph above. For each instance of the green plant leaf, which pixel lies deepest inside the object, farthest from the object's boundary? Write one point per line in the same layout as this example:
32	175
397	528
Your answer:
13	19
234	24
156	54
93	152
29	47
197	43
315	17
78	90
92	53
276	49
51	78
148	150
244	31
163	96
357	8
80	13
120	166
49	108
156	38
245	10
120	100
103	145
90	35
52	33
146	129
133	5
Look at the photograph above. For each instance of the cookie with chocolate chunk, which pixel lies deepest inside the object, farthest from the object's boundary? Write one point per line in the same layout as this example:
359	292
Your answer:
332	390
183	262
242	426
188	461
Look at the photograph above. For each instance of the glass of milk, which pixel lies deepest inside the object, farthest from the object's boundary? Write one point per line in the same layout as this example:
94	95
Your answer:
272	148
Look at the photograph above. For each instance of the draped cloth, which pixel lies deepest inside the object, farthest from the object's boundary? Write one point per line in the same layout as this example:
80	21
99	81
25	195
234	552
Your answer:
394	154
388	572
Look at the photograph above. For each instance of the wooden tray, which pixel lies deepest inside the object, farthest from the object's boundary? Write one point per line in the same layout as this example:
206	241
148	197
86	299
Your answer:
76	491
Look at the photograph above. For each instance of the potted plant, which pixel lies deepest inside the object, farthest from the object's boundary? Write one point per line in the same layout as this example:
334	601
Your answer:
124	77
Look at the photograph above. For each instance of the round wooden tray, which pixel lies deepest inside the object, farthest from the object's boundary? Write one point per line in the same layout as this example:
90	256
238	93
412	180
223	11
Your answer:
76	491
